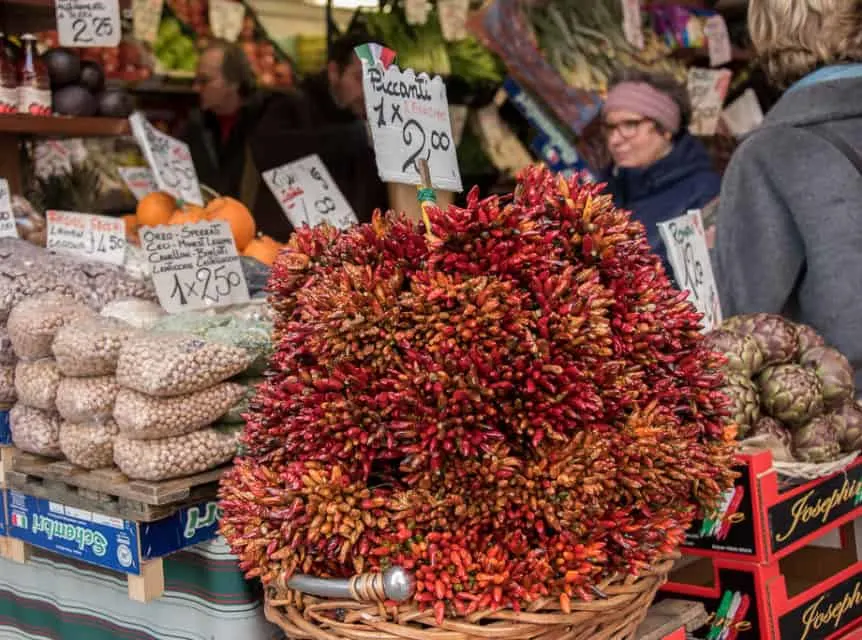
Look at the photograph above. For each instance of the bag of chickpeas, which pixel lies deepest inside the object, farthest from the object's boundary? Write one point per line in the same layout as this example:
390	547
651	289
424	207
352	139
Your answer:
35	431
34	322
91	346
87	400
36	383
89	445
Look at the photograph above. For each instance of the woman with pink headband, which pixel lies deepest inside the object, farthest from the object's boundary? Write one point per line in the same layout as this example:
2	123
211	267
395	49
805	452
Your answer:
659	170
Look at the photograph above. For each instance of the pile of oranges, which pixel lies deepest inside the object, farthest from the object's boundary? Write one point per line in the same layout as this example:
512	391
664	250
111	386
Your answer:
161	208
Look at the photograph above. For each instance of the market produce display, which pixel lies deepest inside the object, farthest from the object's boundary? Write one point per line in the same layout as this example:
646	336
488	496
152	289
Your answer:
513	407
787	385
78	87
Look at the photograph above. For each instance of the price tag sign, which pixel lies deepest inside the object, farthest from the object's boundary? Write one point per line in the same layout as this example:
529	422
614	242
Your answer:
416	11
170	160
453	18
226	18
88	236
685	240
308	195
707	89
195	266
409	119
717	41
743	114
8	228
633	23
88	23
146	16
139	180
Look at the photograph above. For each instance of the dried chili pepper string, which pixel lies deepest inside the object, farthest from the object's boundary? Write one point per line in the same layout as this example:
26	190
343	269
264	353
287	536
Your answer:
516	406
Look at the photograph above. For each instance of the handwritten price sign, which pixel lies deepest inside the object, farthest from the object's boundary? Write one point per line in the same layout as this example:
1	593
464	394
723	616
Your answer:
88	23
88	236
226	18
139	180
308	195
409	119
195	266
685	240
8	228
707	89
170	160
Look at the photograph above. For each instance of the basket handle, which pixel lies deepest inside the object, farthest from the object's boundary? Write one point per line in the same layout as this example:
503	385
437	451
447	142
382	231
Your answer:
393	584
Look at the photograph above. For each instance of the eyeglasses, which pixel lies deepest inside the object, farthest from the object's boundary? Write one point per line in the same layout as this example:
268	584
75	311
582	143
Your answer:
627	128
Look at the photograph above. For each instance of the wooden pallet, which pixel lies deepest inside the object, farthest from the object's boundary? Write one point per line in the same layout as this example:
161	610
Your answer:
670	618
108	491
7	454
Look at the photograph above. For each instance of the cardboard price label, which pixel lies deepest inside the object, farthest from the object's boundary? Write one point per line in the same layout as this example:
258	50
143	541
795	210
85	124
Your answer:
453	18
8	228
88	236
226	18
632	23
139	180
707	89
195	266
308	195
409	119
685	240
717	41
88	23
146	16
170	160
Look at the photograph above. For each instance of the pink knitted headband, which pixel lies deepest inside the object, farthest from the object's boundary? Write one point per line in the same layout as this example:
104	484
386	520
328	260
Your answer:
642	98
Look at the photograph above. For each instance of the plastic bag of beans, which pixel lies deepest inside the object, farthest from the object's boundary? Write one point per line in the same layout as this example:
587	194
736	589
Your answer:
35	431
36	383
90	346
87	400
34	322
88	445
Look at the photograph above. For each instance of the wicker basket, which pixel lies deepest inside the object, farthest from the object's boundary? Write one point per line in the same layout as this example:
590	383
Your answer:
613	617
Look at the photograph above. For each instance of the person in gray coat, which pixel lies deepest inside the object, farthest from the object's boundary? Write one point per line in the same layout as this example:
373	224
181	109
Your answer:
789	236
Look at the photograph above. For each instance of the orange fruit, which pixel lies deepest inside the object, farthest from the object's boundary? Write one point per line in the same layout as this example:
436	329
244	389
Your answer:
155	208
237	215
186	216
263	249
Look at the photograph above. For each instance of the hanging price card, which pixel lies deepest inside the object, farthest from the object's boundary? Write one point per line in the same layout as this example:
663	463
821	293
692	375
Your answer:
717	41
195	266
146	16
308	195
170	160
685	240
633	23
707	89
226	18
409	118
8	228
88	23
139	180
88	236
453	18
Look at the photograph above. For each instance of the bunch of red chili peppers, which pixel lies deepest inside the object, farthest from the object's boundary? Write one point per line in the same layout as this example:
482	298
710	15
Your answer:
515	403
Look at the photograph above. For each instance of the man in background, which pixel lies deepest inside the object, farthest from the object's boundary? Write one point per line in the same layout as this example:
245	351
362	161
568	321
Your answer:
219	131
325	117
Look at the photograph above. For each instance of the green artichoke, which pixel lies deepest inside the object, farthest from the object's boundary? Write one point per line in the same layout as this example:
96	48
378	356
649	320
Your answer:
834	371
742	352
744	407
849	419
775	335
807	338
790	393
817	441
776	438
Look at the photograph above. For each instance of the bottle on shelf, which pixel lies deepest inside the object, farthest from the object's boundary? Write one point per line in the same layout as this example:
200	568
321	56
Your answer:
34	87
8	78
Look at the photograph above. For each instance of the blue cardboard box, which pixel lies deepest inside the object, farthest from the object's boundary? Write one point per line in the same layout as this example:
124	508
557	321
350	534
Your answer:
5	431
106	541
2	514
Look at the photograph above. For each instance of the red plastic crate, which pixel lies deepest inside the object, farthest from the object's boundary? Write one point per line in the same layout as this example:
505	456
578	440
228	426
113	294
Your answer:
814	593
763	521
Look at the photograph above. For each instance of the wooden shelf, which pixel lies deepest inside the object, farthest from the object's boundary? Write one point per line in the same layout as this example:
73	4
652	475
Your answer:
22	124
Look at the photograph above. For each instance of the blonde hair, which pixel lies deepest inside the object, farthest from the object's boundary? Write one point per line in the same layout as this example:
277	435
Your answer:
794	37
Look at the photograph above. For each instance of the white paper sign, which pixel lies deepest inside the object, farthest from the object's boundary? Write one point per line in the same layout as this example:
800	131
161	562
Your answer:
416	11
8	228
88	23
409	118
685	240
308	195
706	91
633	23
195	266
88	236
453	18
743	114
226	18
717	41
170	160
139	180
56	157
146	16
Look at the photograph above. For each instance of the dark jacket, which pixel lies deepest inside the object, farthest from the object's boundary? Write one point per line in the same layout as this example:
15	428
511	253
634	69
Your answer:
682	180
308	121
789	237
220	164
